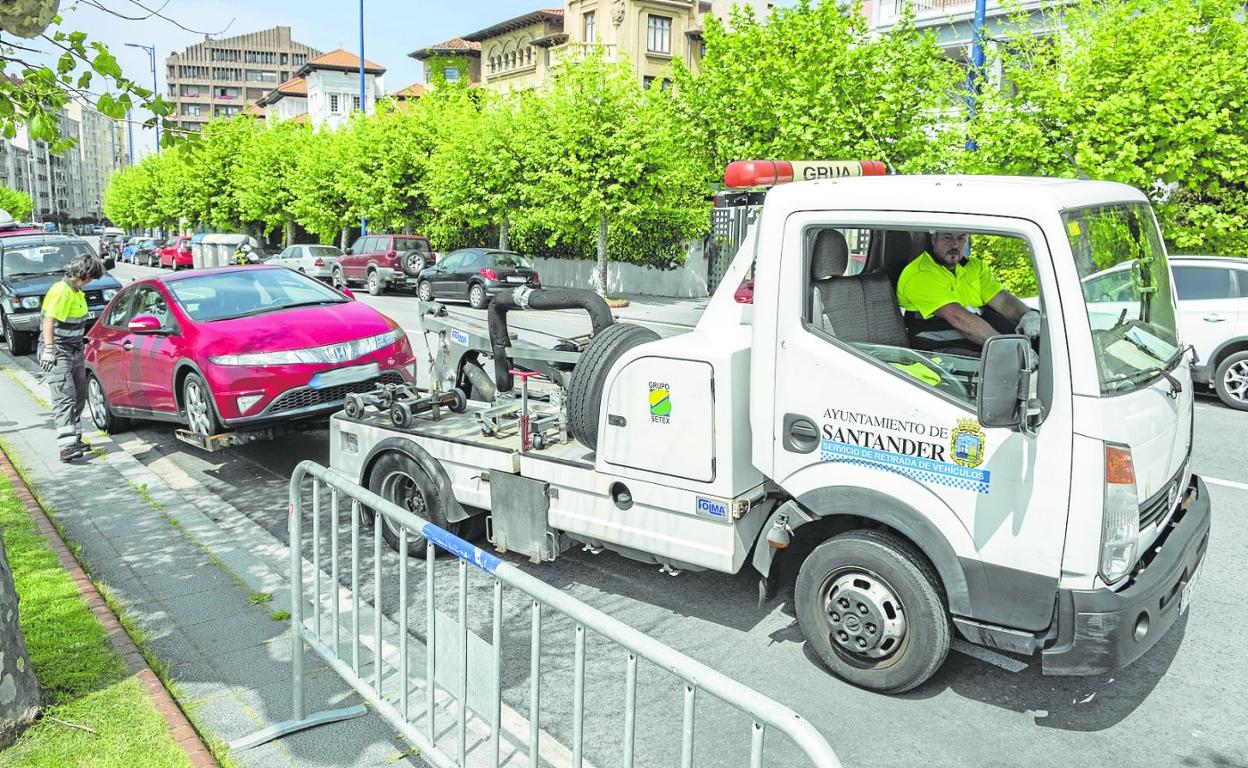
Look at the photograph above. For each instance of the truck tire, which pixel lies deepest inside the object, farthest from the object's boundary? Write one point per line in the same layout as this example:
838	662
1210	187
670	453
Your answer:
590	377
20	342
1231	381
873	611
397	478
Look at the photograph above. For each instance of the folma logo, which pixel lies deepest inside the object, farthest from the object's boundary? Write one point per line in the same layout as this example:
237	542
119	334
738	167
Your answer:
712	507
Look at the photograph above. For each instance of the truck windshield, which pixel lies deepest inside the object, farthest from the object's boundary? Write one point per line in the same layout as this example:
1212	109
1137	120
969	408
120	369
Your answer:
1126	290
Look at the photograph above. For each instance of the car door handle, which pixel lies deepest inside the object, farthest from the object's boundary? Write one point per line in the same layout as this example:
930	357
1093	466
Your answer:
801	435
1214	319
127	345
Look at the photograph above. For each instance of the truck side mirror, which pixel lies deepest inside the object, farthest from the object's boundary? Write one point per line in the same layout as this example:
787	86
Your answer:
1005	369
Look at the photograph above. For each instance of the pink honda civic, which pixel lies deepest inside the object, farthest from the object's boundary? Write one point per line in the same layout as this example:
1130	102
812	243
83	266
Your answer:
234	348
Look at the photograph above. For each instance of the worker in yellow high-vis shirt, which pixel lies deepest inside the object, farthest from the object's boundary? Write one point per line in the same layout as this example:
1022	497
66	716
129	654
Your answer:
60	352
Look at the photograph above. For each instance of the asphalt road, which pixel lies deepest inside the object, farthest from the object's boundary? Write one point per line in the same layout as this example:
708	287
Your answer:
1183	704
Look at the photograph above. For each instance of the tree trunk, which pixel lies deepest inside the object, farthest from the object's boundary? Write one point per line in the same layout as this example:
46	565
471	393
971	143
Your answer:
600	269
342	239
290	233
502	235
20	697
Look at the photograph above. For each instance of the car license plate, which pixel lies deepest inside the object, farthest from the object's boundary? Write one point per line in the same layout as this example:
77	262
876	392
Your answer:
341	376
516	279
93	314
1186	597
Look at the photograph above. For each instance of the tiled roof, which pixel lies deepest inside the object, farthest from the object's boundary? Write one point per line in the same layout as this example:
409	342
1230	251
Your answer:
551	15
301	119
456	45
415	90
341	59
256	110
295	86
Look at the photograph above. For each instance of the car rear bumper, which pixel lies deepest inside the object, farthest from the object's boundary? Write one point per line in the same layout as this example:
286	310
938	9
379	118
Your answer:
1100	630
493	287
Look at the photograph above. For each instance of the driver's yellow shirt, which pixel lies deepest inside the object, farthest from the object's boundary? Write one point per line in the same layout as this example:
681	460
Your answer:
925	286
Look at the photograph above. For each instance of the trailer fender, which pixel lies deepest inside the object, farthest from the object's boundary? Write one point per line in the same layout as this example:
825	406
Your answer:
455	512
879	508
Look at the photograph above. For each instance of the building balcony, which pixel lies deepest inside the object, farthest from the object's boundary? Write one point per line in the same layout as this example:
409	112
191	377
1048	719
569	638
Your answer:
929	13
575	51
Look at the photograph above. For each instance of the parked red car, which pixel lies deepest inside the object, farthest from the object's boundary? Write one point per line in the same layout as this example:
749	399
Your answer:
385	261
175	254
235	348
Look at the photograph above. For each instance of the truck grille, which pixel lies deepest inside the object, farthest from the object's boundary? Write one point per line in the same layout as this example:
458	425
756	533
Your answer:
1159	505
297	399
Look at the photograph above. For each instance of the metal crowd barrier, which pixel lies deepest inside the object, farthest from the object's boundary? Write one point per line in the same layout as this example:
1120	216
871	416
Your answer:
765	714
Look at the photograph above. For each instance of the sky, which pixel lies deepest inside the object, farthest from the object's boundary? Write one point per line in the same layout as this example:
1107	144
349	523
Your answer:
392	29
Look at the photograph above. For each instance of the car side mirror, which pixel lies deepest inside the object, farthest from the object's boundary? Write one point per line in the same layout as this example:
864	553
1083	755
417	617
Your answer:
110	263
349	251
1006	368
146	324
348	292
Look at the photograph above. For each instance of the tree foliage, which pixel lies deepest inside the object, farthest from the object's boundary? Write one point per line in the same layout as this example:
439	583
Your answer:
813	83
1150	93
17	203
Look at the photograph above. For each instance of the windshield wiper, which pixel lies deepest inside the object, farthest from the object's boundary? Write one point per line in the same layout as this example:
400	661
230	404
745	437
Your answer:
31	274
265	310
1155	370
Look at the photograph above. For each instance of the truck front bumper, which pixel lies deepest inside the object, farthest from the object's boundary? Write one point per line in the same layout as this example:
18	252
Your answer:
1099	630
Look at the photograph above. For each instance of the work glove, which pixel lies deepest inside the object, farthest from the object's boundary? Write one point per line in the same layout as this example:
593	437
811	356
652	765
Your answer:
47	359
1029	324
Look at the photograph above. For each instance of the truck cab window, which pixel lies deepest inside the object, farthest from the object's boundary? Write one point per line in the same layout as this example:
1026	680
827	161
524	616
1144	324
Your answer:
885	295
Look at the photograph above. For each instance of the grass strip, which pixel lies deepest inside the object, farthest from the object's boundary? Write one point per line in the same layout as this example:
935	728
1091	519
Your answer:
85	681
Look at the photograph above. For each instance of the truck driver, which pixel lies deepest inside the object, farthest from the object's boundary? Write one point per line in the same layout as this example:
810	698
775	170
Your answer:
956	300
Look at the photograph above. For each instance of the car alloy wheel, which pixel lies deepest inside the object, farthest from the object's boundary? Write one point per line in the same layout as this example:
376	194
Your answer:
374	283
425	291
476	296
95	401
199	415
340	282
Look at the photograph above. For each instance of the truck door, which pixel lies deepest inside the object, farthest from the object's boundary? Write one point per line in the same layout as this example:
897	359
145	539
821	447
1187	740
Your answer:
857	407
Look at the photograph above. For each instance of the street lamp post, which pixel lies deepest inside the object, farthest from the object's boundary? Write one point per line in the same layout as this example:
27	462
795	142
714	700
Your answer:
977	64
363	103
151	57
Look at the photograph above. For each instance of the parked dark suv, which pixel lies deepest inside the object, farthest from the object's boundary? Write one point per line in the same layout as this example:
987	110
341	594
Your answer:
386	261
476	274
29	266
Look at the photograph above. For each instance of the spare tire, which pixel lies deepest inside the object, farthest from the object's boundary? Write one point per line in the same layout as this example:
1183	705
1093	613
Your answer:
413	262
590	377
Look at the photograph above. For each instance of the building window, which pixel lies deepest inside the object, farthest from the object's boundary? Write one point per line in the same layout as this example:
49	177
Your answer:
259	76
590	27
285	58
649	80
355	103
333	103
451	74
659	34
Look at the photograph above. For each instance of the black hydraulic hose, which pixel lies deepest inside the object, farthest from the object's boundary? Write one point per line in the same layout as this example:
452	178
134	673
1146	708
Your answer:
538	298
482	387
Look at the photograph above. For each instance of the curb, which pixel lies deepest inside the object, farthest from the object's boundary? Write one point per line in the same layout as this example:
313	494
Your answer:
179	727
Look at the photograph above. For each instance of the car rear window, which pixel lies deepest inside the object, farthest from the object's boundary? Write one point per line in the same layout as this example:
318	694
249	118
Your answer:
411	244
323	251
510	261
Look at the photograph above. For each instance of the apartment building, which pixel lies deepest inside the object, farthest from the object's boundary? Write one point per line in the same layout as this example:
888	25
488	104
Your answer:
221	77
952	21
102	152
521	52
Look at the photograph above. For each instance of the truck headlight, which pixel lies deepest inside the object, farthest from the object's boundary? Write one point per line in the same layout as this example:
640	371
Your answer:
109	293
31	302
1120	526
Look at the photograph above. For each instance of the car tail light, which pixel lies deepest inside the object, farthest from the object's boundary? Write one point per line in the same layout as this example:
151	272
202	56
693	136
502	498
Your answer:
319	262
433	257
489	274
393	257
536	280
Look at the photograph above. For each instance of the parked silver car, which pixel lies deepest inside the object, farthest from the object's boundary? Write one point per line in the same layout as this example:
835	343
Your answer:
319	261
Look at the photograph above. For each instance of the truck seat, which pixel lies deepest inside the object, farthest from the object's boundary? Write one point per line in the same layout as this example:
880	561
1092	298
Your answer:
860	308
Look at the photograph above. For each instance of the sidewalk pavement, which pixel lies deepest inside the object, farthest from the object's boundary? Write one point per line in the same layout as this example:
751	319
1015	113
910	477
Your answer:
229	661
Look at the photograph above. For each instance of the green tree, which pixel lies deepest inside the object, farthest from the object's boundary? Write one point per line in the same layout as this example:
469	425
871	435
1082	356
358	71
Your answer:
813	83
212	176
17	203
608	155
1150	93
320	203
264	182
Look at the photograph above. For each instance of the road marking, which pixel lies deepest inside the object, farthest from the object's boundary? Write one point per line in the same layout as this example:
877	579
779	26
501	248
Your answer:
989	657
1225	483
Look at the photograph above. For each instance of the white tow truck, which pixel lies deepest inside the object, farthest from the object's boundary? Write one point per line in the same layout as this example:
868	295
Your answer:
1035	497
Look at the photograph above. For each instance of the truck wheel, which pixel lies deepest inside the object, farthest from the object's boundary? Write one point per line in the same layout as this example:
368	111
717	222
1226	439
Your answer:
1231	381
375	288
101	414
338	279
590	377
873	611
19	341
397	478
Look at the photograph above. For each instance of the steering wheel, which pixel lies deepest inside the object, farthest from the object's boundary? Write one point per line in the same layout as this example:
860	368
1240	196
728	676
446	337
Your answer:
949	383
